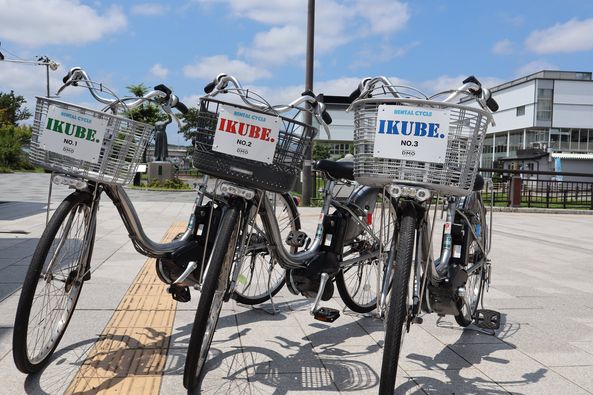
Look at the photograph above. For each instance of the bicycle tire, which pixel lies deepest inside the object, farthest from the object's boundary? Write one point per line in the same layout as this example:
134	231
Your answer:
67	289
355	284
262	277
214	286
398	307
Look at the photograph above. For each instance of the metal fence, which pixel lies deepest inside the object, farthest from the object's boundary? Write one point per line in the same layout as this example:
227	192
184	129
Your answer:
545	194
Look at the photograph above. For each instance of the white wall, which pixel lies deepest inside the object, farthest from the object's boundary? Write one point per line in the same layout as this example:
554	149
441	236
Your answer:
572	116
508	100
573	92
342	127
573	104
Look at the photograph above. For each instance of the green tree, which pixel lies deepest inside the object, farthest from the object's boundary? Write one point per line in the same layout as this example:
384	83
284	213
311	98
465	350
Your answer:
147	112
320	151
11	109
13	136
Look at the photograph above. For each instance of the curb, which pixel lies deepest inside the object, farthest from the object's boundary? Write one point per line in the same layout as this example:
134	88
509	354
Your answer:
542	210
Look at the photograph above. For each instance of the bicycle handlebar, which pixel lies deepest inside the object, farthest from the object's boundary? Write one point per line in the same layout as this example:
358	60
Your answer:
161	95
470	86
306	102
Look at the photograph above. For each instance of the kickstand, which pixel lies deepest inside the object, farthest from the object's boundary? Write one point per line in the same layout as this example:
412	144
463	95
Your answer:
51	183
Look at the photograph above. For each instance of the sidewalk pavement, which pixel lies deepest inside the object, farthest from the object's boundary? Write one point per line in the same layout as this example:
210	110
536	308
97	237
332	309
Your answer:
542	285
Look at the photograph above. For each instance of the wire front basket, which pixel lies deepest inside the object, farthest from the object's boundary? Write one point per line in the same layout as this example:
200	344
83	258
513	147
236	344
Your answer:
87	143
454	175
278	174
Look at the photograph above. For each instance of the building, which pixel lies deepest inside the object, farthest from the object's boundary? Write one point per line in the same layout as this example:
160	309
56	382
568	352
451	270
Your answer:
341	129
545	122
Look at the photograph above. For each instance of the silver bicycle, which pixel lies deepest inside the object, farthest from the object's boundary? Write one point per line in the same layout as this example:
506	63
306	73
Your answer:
426	151
96	152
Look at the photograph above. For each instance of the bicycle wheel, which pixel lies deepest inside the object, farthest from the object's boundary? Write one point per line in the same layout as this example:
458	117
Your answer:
214	286
358	284
474	286
53	283
399	301
261	276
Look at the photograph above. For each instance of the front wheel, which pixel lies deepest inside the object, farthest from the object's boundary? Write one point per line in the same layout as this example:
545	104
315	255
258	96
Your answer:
53	282
399	301
261	277
214	286
360	283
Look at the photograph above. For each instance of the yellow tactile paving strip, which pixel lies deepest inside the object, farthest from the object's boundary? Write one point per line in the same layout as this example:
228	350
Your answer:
130	355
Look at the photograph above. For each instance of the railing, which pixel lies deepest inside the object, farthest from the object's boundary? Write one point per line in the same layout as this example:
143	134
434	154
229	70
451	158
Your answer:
527	192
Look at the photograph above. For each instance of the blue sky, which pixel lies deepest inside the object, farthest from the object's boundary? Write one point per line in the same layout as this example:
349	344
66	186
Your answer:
430	44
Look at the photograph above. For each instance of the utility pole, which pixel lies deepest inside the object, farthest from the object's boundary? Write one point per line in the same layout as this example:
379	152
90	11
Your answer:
308	117
41	61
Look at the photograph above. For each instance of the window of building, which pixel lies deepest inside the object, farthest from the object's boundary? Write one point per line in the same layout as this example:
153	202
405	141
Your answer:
520	111
544	104
339	149
583	76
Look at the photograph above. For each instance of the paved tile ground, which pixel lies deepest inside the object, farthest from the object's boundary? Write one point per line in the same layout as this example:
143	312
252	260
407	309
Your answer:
542	284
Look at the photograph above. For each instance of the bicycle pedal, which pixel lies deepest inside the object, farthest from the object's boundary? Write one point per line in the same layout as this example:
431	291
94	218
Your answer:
296	238
487	319
179	293
326	314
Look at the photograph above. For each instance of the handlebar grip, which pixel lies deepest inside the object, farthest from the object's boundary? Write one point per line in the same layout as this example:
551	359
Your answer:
474	80
210	87
492	104
181	107
163	88
354	95
326	118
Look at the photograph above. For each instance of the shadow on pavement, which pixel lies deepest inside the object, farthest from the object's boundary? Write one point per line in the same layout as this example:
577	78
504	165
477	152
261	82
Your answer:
455	382
10	211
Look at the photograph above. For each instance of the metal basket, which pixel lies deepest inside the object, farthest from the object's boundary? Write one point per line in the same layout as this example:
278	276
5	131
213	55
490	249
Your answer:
117	158
279	176
456	176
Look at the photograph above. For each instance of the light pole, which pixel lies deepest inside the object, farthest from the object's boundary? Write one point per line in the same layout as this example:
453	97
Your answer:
308	119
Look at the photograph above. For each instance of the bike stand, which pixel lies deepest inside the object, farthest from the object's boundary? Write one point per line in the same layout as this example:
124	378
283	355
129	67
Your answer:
325	314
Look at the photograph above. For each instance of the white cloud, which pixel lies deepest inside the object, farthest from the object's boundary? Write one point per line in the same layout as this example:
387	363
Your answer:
336	23
210	67
534	67
42	22
503	47
446	82
159	71
149	9
572	36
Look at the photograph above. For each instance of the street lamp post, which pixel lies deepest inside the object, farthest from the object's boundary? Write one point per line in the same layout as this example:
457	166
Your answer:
308	117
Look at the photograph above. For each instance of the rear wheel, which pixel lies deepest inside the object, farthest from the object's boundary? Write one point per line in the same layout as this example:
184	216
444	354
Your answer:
53	282
400	303
359	284
214	287
261	276
474	286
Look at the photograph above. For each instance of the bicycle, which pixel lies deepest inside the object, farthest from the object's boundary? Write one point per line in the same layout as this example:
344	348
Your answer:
254	149
423	149
94	152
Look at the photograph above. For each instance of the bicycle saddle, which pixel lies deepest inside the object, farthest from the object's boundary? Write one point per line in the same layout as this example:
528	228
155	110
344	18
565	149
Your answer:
344	169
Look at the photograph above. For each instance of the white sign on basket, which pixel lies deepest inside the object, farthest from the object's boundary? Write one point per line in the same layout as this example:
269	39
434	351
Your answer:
246	134
73	134
411	133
